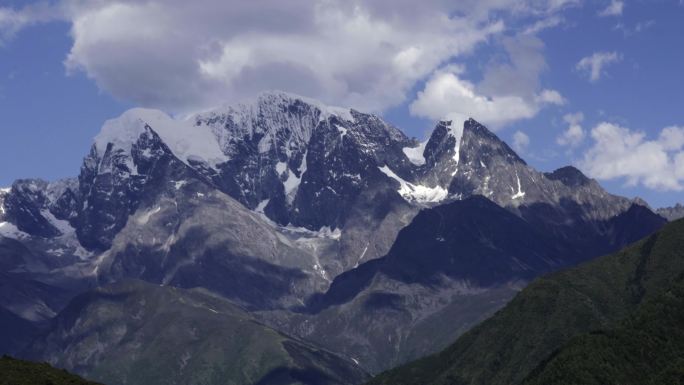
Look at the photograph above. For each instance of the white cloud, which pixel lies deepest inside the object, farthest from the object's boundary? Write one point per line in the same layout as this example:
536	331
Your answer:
178	55
596	63
574	134
543	24
13	20
621	153
447	96
509	91
638	27
615	8
672	138
520	141
550	97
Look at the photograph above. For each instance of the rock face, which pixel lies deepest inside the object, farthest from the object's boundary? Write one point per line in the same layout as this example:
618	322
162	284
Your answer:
39	208
293	210
671	213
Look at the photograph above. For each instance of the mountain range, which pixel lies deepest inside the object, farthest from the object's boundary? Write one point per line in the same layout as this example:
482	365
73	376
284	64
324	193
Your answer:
348	247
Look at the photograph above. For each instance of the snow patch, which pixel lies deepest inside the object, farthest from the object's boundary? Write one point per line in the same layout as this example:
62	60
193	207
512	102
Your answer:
145	217
358	262
302	167
61	225
416	193
9	230
456	131
261	206
342	130
2	200
520	193
185	140
281	167
415	154
291	184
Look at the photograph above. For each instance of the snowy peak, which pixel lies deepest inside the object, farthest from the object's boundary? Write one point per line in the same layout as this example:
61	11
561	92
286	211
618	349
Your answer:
279	121
444	144
478	143
187	142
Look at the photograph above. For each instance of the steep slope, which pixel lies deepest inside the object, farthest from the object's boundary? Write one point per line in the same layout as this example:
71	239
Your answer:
191	235
18	372
137	333
460	262
547	314
313	166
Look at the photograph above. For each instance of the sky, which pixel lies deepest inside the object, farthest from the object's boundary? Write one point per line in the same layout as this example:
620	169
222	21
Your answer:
593	83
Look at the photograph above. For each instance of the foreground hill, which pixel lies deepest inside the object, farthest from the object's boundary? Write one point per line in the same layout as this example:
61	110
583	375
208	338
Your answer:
19	372
615	320
137	333
645	349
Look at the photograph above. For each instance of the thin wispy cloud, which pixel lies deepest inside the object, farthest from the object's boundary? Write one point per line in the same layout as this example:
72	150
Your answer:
14	20
614	9
520	141
543	24
595	64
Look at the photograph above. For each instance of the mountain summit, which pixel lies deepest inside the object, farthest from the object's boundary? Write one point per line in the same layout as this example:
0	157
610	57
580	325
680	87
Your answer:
305	214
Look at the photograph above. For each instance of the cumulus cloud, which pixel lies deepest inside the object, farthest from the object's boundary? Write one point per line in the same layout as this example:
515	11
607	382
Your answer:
595	64
178	56
574	134
520	141
620	153
613	9
509	91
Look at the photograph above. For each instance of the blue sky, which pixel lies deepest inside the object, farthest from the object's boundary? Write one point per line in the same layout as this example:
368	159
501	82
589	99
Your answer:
66	66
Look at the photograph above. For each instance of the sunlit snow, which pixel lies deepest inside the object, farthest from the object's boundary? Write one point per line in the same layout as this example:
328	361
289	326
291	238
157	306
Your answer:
416	193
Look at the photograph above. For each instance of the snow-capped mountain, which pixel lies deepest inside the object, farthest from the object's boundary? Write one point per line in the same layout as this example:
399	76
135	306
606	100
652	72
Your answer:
291	209
302	168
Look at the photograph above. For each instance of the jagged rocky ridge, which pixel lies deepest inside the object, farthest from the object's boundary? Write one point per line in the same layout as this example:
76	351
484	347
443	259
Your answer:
672	213
271	202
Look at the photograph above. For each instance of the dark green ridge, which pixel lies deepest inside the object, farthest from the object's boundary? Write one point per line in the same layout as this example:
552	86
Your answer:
645	349
19	372
609	293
